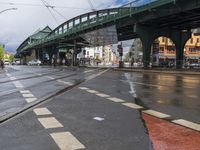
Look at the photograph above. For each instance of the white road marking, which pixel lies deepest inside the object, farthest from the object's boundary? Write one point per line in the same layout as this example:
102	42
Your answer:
132	91
188	124
42	111
83	88
18	84
13	78
30	100
88	71
9	75
60	81
92	91
117	100
156	114
103	95
132	105
98	118
28	95
50	77
66	141
50	122
96	75
68	83
25	92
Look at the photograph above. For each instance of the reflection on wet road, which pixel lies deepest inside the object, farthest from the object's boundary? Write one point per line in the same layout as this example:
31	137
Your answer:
176	95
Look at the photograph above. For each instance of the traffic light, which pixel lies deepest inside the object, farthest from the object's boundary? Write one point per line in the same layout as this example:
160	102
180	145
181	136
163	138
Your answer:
84	52
120	51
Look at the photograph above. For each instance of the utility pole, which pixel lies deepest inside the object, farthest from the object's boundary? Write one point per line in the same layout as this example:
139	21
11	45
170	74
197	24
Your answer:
120	50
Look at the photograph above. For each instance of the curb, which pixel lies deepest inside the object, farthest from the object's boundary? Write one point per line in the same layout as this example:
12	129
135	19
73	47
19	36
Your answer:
181	72
158	71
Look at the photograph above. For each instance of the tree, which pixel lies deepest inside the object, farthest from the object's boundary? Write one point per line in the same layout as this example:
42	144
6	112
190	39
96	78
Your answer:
11	58
1	52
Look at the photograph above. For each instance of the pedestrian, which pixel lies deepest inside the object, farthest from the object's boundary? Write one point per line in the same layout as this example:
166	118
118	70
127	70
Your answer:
2	64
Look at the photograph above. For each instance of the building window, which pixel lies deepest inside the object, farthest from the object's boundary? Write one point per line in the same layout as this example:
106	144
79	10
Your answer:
191	40
197	40
163	39
161	49
193	50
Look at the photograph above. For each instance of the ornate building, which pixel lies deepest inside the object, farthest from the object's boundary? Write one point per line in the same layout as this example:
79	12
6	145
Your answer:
164	50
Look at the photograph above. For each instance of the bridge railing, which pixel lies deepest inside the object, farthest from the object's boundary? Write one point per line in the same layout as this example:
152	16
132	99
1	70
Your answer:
97	18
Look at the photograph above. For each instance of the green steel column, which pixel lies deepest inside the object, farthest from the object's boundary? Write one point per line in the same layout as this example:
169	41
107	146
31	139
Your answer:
180	38
147	36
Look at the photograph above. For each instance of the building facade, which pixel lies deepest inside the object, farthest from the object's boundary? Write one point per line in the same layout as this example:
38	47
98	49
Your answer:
163	50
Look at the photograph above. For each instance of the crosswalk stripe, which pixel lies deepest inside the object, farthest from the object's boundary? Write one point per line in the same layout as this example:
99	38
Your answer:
25	92
50	122
30	100
42	111
66	141
28	95
50	77
117	100
83	88
132	105
103	95
92	91
156	114
188	124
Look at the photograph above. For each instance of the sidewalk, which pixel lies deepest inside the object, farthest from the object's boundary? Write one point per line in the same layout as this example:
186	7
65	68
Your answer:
150	70
165	71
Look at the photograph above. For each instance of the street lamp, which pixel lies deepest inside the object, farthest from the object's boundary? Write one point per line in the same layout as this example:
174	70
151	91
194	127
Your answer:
8	10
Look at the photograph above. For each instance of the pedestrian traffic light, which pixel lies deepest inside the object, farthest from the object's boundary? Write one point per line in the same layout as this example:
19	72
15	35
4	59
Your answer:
84	52
120	51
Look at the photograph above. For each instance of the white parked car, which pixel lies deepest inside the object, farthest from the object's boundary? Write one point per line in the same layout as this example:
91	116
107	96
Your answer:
6	62
34	62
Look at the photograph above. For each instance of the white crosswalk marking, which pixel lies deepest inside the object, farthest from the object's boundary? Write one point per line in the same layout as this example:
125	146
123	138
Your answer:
66	141
50	122
103	95
50	77
188	124
42	111
25	92
28	95
117	100
30	100
83	88
132	105
13	78
156	114
92	91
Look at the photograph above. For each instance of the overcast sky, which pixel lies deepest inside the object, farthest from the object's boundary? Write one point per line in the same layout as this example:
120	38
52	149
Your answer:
17	25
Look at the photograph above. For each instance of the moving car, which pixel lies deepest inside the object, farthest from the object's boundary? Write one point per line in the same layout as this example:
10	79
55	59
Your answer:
6	62
34	62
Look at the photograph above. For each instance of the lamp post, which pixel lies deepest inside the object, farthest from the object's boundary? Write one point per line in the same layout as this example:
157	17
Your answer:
8	10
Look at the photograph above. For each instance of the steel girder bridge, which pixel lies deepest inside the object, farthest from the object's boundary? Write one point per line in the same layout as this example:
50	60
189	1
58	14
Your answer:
169	18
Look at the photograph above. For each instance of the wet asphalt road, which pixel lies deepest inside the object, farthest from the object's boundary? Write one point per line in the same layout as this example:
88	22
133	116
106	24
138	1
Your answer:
122	128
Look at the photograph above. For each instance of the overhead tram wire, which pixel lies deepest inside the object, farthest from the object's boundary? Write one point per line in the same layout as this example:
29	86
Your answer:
47	6
91	5
39	5
53	8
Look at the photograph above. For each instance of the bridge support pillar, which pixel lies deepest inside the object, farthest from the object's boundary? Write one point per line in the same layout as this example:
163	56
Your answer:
147	36
180	38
